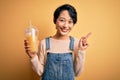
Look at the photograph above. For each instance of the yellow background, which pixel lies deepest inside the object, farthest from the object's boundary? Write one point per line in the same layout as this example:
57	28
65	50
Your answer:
101	17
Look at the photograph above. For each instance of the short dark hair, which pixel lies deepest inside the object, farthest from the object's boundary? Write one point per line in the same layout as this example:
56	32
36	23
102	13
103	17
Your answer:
69	8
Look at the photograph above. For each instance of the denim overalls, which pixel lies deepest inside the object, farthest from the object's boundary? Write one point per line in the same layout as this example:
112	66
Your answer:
59	66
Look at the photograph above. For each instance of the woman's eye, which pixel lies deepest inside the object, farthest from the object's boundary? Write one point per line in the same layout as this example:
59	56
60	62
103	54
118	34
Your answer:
61	20
70	22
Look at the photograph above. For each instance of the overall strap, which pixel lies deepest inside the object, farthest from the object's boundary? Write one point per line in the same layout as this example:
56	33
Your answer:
71	43
47	40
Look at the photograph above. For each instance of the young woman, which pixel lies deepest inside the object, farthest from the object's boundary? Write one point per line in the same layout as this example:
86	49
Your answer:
61	57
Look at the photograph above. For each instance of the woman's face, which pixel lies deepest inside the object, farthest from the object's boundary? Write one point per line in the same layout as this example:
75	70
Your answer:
64	23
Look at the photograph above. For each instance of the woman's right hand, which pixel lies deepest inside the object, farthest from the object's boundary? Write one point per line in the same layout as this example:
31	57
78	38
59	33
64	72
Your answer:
28	51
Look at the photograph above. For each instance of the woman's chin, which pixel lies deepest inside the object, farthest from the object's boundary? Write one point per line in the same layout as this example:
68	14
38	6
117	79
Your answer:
64	33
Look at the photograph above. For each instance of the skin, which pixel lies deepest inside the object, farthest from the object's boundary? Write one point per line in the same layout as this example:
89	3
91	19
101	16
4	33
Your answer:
64	25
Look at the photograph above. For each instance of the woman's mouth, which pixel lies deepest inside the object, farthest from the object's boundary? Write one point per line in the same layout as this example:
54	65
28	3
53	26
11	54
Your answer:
64	30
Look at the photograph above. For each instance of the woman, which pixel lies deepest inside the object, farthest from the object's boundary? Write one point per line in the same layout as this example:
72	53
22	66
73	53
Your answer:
61	57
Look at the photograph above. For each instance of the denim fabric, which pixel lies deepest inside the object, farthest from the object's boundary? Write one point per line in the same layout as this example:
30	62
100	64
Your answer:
59	66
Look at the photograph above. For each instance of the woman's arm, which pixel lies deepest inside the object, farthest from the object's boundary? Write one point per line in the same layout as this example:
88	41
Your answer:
38	61
79	62
80	48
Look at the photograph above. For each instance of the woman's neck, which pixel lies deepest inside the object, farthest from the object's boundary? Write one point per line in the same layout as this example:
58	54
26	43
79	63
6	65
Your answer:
60	37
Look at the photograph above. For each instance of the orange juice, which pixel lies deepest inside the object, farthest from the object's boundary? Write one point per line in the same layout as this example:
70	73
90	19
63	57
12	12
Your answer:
32	42
32	38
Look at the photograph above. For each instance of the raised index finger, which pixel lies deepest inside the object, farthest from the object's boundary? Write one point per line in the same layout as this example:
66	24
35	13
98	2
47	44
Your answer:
88	35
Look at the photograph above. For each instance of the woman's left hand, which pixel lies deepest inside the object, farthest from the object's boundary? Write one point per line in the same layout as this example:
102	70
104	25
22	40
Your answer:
83	42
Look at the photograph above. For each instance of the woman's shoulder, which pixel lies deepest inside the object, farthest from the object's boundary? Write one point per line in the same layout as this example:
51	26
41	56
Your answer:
42	41
76	43
75	39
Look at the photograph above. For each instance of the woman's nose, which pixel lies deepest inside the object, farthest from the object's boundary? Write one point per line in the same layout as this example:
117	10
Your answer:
66	24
